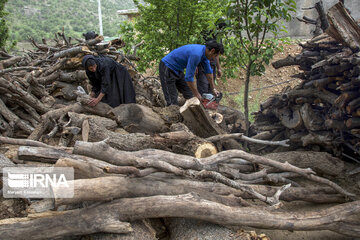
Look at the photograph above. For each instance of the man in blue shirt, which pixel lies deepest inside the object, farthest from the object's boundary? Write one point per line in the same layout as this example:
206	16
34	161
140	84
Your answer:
187	57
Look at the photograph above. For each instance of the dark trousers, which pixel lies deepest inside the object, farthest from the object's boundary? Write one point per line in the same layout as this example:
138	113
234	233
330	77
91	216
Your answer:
171	83
202	83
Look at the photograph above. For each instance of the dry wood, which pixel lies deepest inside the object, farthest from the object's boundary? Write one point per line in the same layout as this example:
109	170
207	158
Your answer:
248	139
105	188
197	119
13	118
183	142
343	27
136	118
188	206
71	52
312	121
10	61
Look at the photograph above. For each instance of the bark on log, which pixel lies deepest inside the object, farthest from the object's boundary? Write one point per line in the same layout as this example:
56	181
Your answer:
9	62
169	160
343	27
200	123
137	118
11	117
197	119
27	97
59	224
71	52
105	188
180	142
188	206
312	120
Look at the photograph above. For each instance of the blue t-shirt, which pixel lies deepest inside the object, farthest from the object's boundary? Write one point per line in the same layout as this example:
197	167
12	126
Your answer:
187	56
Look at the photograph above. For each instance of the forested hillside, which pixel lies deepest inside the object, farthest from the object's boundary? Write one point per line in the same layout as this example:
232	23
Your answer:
42	18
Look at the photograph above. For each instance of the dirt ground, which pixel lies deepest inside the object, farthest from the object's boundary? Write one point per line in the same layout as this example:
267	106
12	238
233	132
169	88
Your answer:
261	87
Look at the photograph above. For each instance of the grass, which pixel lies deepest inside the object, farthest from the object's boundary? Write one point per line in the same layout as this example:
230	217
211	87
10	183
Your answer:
237	101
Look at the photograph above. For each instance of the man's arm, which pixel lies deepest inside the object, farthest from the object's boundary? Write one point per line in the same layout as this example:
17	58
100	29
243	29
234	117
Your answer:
194	90
209	77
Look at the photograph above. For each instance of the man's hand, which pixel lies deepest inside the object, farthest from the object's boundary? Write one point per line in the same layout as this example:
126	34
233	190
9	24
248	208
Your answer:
216	92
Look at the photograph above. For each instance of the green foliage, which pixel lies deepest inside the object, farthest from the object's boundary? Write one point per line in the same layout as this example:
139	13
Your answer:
248	22
165	26
4	31
43	18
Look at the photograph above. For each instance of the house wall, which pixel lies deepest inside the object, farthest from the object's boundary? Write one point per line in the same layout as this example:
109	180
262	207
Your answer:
299	29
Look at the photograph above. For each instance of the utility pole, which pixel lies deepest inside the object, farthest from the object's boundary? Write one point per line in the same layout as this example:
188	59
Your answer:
100	18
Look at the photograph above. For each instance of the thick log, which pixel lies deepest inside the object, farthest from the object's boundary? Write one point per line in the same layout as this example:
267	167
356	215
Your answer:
183	142
288	61
169	160
169	114
41	154
312	120
77	120
71	52
290	118
343	27
187	206
104	188
10	61
197	119
73	77
85	167
59	224
27	97
319	138
137	118
65	90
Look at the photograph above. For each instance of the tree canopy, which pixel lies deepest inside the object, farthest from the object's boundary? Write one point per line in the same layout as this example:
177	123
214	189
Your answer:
42	18
4	30
165	26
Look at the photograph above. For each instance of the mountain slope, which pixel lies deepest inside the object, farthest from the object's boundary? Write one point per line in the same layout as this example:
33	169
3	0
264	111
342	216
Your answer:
42	18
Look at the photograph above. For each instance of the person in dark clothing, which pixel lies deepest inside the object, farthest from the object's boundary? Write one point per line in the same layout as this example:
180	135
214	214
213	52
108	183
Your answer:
111	82
90	35
201	81
171	69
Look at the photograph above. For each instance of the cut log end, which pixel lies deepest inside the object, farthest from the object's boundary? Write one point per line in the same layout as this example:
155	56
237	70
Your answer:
205	150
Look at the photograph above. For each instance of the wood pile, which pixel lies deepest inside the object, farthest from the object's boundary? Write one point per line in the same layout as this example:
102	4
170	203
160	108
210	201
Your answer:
324	110
143	161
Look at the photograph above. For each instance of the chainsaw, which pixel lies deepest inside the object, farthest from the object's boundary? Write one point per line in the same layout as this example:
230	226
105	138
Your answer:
209	101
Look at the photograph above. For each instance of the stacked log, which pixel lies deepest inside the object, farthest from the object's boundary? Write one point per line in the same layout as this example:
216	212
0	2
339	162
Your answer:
122	187
323	111
48	78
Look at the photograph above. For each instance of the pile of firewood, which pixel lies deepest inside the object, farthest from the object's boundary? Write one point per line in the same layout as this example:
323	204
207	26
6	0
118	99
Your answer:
324	110
48	78
143	161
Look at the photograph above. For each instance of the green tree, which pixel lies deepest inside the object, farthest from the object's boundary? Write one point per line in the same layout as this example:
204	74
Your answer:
248	23
166	25
4	30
